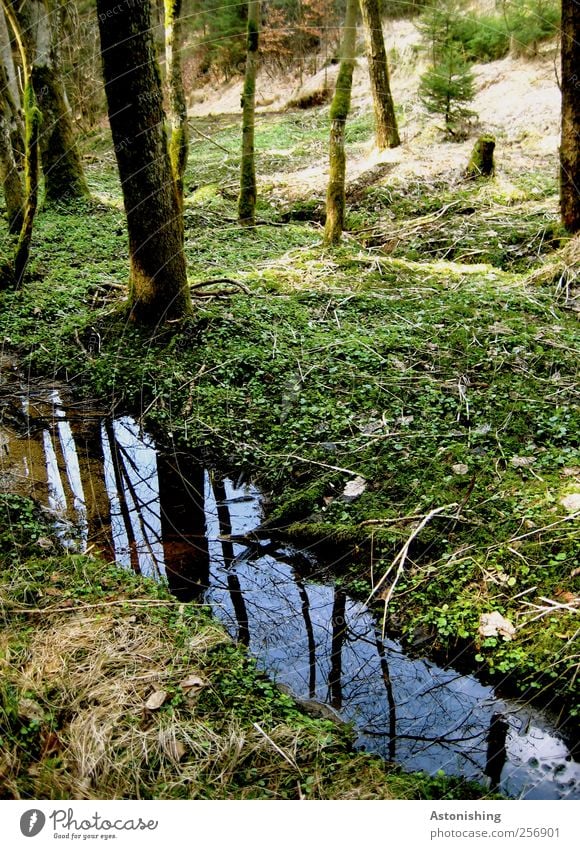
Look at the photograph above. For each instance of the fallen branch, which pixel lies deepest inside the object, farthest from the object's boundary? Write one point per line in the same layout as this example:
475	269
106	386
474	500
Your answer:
79	607
226	280
400	559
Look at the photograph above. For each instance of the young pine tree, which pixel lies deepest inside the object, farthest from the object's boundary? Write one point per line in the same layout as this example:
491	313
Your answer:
446	89
448	84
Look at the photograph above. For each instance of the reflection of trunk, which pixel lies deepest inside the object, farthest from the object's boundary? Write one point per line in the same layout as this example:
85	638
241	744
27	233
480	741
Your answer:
335	200
123	507
338	635
310	635
247	199
386	132
496	750
183	525
86	432
177	111
390	698
149	535
225	524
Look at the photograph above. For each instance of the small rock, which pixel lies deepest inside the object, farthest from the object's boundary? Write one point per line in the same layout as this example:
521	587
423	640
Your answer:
522	462
494	624
45	543
354	488
192	682
459	469
31	710
156	699
571	503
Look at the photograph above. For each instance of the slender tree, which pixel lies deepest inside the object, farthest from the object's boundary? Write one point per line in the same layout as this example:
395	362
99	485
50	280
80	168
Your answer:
177	112
570	140
11	90
13	191
61	163
386	131
335	195
10	131
247	199
32	118
158	278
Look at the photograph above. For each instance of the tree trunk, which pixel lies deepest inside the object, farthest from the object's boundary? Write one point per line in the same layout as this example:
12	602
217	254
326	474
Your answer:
570	141
247	199
158	279
32	118
61	164
481	160
10	90
386	132
7	61
335	195
13	193
177	113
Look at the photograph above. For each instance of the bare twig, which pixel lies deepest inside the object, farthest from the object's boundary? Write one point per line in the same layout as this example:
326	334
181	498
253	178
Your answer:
400	559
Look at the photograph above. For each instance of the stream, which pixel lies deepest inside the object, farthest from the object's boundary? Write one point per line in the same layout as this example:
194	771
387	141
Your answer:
164	516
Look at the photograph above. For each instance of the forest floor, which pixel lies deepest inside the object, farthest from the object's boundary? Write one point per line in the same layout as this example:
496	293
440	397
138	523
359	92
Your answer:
432	356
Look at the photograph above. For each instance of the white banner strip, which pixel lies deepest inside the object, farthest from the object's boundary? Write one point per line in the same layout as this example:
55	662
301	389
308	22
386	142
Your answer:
271	824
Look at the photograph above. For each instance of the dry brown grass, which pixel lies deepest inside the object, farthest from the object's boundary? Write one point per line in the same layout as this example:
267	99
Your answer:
84	679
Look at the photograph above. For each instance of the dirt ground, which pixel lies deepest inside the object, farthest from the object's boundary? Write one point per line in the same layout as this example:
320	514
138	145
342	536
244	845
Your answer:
517	100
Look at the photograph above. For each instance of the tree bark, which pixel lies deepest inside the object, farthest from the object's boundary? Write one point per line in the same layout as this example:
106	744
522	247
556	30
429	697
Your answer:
177	112
335	195
247	199
570	140
7	60
61	164
13	192
10	90
32	119
158	278
386	131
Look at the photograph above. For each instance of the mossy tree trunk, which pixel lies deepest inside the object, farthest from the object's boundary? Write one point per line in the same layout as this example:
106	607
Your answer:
247	198
335	194
7	60
386	131
32	119
13	191
10	90
177	112
158	278
570	140
61	163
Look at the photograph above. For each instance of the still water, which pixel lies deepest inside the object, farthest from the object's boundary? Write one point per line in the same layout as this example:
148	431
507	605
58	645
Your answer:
164	516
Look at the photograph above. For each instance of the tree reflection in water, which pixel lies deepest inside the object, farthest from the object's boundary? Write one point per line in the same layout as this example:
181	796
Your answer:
167	517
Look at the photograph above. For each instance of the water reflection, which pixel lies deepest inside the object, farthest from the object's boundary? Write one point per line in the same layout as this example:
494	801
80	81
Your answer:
163	515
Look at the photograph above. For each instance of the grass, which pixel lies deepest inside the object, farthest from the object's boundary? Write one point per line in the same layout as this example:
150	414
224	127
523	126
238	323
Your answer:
84	647
429	354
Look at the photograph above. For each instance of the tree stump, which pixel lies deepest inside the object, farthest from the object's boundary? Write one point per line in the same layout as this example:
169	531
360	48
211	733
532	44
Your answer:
481	161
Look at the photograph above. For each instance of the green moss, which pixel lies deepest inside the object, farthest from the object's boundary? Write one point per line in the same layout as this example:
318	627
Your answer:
341	101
